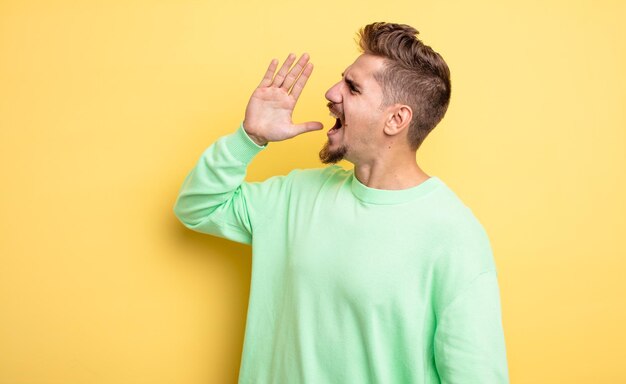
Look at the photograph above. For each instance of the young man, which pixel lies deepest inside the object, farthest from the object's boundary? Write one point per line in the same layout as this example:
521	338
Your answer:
374	275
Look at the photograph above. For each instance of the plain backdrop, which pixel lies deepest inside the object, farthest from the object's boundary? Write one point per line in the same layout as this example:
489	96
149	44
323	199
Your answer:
105	106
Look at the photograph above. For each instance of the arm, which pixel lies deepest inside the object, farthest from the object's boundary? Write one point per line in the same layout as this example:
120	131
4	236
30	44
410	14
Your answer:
211	199
214	198
469	340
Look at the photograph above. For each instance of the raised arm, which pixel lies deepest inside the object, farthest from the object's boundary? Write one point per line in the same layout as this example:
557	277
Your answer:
214	198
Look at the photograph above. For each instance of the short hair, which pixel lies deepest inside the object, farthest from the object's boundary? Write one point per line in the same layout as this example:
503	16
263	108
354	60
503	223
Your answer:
413	74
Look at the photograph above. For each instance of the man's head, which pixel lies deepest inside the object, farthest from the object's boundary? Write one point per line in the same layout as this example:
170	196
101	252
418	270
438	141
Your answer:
398	87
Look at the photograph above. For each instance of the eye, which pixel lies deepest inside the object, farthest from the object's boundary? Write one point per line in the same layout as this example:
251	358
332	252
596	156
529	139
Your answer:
351	86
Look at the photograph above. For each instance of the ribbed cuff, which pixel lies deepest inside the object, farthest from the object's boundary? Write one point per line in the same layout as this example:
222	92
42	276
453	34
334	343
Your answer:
241	146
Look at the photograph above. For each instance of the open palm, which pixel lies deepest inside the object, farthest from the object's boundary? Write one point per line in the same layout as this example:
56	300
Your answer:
270	109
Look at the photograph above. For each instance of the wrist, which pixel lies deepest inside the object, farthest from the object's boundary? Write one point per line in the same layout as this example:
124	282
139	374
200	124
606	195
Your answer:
258	140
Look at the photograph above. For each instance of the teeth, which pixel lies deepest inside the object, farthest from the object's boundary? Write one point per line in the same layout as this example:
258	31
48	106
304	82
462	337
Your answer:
333	115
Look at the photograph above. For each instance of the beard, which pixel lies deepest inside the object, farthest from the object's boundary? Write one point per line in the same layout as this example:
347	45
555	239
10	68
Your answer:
331	157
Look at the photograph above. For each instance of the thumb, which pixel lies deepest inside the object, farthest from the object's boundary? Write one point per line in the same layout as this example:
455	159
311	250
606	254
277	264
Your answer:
308	127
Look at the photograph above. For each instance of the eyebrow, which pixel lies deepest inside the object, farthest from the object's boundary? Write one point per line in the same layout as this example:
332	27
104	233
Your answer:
350	82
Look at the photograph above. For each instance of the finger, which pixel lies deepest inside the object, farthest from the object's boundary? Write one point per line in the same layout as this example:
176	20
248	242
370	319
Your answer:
267	79
295	72
308	127
299	85
282	72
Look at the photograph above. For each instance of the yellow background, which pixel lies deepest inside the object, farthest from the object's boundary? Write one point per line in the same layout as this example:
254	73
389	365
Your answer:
106	105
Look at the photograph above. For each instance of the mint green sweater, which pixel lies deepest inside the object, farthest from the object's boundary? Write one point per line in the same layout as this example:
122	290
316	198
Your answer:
352	284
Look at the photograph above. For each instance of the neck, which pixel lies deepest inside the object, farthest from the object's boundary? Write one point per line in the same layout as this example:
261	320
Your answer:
389	171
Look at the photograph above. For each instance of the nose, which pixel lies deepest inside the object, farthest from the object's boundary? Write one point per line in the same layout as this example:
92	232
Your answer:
334	93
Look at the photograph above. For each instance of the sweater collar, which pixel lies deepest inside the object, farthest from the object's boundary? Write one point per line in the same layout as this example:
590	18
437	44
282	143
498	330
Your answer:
387	197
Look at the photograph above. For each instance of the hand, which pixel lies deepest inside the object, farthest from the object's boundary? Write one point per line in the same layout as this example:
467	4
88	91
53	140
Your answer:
269	111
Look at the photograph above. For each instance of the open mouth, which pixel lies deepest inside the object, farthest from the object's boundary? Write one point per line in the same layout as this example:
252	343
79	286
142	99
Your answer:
336	127
338	121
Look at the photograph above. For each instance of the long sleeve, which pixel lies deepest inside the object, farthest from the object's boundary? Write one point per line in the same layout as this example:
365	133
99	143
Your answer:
214	198
469	340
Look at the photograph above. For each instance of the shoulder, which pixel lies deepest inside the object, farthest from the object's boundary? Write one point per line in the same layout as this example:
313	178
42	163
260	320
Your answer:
448	215
297	177
463	242
324	172
318	176
463	253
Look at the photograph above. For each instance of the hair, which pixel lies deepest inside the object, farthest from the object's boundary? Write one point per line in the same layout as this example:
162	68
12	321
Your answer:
413	75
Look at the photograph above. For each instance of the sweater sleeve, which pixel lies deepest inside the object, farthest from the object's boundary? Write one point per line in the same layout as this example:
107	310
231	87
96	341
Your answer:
469	339
214	198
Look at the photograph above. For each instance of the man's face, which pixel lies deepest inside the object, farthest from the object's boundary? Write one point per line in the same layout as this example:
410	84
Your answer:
356	103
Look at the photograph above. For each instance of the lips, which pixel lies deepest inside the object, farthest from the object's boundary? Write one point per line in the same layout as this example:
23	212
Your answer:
335	128
338	123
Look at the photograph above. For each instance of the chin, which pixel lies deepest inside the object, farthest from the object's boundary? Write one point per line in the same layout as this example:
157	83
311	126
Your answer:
332	156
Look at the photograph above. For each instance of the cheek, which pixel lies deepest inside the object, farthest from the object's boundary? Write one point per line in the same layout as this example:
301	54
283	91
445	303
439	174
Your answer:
355	112
362	117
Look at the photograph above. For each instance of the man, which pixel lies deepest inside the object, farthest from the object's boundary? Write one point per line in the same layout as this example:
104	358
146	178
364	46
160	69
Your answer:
374	275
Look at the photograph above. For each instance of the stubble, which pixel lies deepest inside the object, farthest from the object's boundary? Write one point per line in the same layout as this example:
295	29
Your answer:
328	156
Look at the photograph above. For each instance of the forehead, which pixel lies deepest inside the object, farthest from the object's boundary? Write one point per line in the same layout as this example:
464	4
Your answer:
364	68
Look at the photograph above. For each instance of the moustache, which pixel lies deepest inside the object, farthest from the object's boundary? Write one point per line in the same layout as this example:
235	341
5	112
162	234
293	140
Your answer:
331	107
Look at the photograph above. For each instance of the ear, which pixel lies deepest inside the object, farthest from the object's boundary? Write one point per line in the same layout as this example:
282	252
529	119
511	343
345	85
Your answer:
398	119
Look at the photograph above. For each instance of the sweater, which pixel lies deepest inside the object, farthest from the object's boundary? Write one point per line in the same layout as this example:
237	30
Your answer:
352	284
